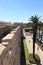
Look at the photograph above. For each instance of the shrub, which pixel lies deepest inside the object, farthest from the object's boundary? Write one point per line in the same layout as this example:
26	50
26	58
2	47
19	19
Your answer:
34	60
7	29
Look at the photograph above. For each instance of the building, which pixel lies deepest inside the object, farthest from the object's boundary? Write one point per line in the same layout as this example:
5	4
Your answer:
3	23
7	23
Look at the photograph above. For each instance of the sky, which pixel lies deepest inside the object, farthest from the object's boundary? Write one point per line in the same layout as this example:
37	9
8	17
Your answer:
20	10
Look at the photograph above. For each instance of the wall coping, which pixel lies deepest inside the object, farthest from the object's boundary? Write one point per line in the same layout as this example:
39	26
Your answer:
5	43
12	32
2	48
7	37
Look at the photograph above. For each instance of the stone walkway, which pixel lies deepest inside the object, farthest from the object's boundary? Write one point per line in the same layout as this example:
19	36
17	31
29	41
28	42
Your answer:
29	43
27	62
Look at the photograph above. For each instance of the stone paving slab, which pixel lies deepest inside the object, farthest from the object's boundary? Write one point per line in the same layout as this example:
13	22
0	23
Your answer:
27	62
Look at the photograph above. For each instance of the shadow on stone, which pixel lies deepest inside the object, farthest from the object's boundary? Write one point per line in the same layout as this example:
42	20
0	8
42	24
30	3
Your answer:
24	37
23	60
39	64
37	61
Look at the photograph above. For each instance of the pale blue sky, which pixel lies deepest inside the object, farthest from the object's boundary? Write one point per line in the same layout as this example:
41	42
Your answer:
20	10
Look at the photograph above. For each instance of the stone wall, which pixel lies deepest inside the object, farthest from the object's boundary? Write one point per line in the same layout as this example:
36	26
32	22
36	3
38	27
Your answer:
10	50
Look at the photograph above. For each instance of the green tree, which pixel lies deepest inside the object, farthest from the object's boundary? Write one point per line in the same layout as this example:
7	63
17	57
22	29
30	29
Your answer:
35	20
28	24
7	29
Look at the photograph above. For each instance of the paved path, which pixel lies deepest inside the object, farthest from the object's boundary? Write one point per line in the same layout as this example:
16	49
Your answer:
30	47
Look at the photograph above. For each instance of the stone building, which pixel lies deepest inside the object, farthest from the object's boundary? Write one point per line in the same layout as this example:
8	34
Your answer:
10	50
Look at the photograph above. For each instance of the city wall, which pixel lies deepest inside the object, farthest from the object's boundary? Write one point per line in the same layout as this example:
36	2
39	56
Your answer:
10	48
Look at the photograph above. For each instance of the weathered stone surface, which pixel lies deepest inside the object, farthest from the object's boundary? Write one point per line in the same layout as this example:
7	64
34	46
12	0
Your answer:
10	48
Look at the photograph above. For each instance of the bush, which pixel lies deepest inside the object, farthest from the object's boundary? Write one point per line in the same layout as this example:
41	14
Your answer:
7	29
34	60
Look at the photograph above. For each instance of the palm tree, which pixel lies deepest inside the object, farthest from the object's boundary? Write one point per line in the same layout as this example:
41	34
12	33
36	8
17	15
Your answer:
41	35
39	27
35	20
